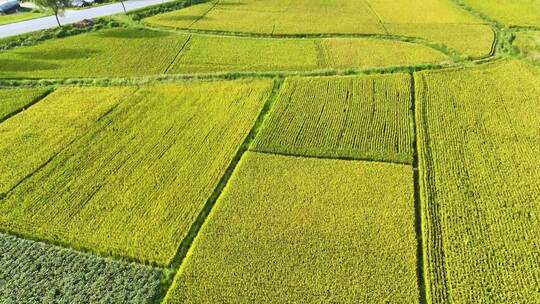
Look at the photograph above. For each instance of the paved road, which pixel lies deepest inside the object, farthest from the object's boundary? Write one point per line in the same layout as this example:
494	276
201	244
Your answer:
72	16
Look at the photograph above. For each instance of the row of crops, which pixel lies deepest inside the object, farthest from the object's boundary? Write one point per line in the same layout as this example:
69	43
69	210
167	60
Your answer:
137	52
126	171
348	117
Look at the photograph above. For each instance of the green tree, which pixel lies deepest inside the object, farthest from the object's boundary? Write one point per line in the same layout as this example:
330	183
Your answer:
57	6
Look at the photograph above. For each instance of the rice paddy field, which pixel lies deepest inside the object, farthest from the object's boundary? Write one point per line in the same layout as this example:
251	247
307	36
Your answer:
352	242
279	151
480	150
436	20
366	117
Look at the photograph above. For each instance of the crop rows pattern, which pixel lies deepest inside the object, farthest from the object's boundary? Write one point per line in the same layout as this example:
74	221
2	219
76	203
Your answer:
480	150
366	117
298	230
33	137
133	184
33	272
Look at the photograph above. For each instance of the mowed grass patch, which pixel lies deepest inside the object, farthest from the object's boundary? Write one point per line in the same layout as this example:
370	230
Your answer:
479	150
207	54
33	272
439	21
15	100
114	52
133	185
20	16
509	12
365	117
33	137
297	230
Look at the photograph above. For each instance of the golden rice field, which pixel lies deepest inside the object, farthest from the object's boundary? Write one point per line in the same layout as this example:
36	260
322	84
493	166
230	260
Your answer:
480	150
366	117
435	20
135	169
276	151
297	230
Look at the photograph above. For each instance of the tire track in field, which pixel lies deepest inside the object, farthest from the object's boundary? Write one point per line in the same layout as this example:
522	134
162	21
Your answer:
177	55
433	268
420	274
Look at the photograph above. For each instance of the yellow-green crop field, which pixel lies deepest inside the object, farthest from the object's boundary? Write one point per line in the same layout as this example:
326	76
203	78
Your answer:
509	12
136	169
15	100
126	52
297	230
434	20
480	151
32	138
365	117
273	151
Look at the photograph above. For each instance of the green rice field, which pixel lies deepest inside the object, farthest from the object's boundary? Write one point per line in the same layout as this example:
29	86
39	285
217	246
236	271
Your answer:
276	151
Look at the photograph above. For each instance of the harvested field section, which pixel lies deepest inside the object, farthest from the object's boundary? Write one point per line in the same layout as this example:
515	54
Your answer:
33	137
298	230
479	155
133	185
115	52
366	117
15	100
33	272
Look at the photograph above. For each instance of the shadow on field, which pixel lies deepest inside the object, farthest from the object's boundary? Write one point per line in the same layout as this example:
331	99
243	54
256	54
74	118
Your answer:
23	65
132	34
60	54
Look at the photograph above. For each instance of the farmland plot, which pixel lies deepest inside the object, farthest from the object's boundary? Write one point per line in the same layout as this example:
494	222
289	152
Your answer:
297	230
366	117
133	185
33	272
480	151
15	100
509	12
33	137
256	54
435	20
115	52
